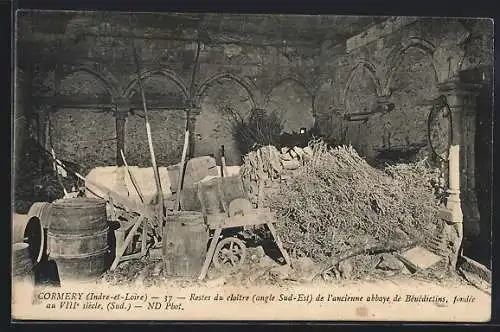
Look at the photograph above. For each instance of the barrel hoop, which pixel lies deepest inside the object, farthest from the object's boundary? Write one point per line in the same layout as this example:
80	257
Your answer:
79	207
66	231
83	255
76	236
79	204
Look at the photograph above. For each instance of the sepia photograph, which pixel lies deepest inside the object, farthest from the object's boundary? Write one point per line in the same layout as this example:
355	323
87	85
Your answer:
224	166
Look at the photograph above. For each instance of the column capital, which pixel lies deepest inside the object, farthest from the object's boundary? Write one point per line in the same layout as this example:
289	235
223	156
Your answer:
193	111
122	104
454	86
460	95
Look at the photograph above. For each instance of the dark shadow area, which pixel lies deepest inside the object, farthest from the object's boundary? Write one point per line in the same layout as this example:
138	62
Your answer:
480	246
46	273
395	156
113	226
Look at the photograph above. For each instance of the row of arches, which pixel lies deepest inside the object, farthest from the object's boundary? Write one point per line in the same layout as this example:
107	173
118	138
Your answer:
296	102
106	84
384	87
289	97
409	79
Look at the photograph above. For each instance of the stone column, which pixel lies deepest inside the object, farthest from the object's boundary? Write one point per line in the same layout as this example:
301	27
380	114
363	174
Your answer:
462	196
121	118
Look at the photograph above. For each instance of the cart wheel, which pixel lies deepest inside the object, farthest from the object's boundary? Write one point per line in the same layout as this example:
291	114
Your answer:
229	253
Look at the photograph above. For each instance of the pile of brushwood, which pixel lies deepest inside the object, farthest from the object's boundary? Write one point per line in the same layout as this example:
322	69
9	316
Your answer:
337	205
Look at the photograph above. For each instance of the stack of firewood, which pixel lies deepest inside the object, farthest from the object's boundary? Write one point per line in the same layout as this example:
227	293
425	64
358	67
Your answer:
293	158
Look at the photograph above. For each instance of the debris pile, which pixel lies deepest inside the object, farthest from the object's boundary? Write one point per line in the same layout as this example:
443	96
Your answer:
335	205
262	169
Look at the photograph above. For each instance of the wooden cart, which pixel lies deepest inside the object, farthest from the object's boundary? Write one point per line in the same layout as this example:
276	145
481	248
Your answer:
226	246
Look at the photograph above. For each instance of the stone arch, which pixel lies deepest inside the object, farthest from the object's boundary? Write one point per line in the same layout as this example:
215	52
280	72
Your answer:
295	78
220	98
397	56
367	67
324	104
361	93
371	70
103	78
411	82
293	124
250	89
324	83
146	74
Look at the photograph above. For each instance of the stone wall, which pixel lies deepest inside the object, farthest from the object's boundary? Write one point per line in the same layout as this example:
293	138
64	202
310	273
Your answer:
394	63
403	67
234	77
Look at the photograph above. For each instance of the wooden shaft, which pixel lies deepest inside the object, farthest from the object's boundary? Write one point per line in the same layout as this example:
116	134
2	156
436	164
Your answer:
186	134
159	191
223	162
132	178
120	136
181	166
210	254
57	173
105	193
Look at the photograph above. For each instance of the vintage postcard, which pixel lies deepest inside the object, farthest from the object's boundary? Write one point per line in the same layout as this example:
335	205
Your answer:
207	166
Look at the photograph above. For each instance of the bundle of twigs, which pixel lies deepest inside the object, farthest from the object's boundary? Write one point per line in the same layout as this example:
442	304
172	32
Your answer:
337	203
262	128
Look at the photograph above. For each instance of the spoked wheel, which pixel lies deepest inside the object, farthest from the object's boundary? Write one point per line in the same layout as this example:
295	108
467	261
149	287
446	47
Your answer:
229	253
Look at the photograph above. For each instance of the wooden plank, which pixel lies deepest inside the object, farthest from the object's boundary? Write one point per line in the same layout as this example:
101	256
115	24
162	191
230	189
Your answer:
138	255
255	218
210	254
118	200
125	243
279	244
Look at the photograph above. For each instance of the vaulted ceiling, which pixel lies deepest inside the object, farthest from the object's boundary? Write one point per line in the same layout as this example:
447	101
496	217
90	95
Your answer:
259	29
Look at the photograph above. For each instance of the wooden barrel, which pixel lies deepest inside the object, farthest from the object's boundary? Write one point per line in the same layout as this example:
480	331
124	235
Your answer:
29	230
78	238
41	210
184	244
23	275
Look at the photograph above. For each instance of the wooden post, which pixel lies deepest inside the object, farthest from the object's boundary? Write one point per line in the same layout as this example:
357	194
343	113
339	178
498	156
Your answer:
182	164
121	118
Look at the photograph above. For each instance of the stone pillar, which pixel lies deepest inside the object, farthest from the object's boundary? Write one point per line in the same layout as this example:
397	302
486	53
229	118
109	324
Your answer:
121	118
462	196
